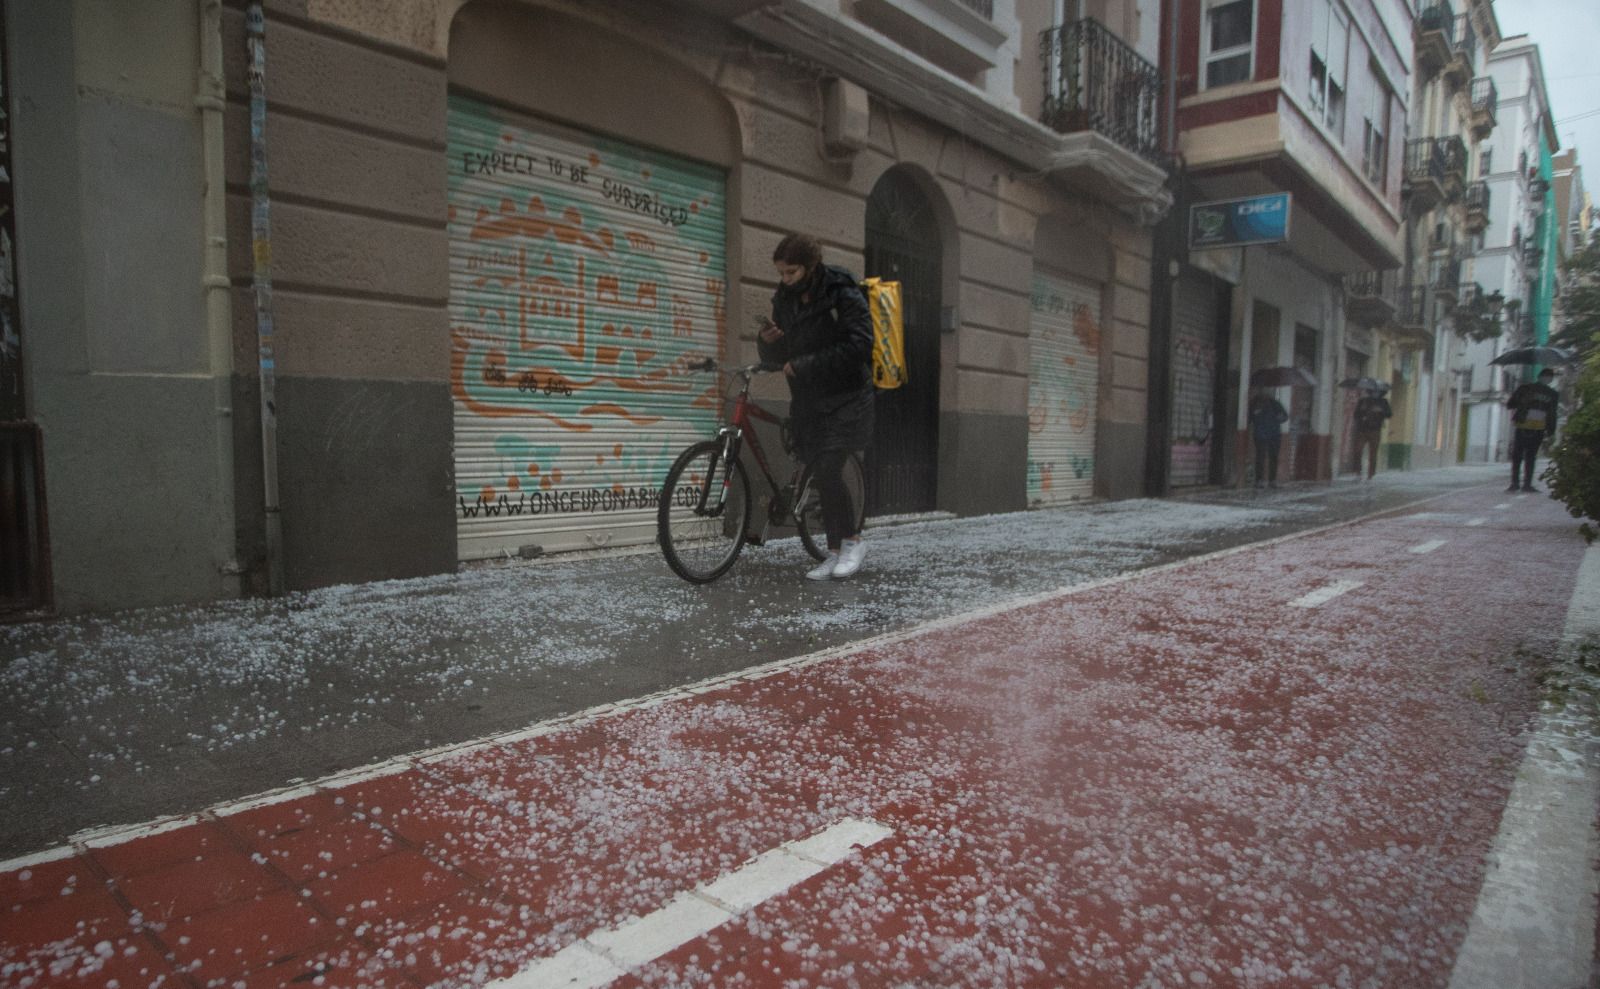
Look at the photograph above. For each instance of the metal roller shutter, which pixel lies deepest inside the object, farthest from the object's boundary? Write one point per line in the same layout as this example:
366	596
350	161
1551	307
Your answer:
584	275
1063	389
1194	375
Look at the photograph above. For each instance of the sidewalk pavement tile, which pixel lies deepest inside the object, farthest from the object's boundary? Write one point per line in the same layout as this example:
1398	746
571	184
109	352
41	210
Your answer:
204	883
364	894
246	935
311	838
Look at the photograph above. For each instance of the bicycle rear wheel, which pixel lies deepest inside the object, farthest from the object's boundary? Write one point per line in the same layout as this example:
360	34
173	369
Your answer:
808	511
700	530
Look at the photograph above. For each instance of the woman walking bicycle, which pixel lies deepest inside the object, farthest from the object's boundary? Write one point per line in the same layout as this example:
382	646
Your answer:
821	332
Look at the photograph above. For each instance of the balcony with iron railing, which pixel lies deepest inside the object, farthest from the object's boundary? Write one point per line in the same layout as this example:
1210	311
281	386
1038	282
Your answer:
1411	311
1445	279
1370	297
1424	176
1435	36
1463	45
1476	205
1485	106
1454	150
1094	81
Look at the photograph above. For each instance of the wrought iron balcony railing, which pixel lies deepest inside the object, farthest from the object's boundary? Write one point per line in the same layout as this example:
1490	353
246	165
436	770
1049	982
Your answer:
1411	306
1435	40
1476	201
1438	16
1095	81
1454	151
1485	97
1424	174
1446	276
1370	296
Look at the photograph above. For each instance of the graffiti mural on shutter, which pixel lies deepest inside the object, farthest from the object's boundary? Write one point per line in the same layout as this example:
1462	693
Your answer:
585	274
1063	388
1194	380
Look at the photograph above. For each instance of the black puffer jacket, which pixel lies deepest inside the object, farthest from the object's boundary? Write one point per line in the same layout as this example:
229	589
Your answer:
828	340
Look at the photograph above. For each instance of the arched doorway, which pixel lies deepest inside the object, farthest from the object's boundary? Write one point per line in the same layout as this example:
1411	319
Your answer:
902	244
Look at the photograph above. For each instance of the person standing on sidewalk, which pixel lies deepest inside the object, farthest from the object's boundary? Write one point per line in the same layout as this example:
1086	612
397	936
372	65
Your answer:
1533	419
1267	416
1371	413
821	332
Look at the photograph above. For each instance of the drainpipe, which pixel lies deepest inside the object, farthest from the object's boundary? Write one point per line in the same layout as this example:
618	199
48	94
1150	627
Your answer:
261	251
214	280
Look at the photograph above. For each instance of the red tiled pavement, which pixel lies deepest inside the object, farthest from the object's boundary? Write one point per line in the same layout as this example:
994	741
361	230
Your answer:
1174	779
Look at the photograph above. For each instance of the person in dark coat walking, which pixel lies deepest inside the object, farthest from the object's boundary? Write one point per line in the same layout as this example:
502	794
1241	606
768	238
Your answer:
1267	416
1533	418
1371	413
821	332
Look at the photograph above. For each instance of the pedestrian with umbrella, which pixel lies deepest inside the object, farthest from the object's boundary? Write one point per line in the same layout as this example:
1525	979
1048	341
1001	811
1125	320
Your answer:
1267	416
1371	412
1533	420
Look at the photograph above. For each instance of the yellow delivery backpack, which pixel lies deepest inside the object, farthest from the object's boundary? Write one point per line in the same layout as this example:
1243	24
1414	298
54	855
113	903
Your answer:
888	332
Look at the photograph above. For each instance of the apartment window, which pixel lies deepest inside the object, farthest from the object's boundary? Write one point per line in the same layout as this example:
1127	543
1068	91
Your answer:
1330	53
1375	131
1228	46
1374	154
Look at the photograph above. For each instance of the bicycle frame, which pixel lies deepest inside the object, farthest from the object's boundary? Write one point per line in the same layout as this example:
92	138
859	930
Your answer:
746	412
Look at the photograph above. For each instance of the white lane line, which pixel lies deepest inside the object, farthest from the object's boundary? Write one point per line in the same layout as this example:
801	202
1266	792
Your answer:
1429	546
1477	521
605	956
1534	925
1323	595
1503	506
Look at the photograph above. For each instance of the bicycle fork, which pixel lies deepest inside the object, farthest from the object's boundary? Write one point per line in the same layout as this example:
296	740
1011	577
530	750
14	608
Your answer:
730	438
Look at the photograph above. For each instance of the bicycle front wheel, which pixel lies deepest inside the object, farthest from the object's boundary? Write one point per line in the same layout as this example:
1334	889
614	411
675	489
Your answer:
808	510
702	514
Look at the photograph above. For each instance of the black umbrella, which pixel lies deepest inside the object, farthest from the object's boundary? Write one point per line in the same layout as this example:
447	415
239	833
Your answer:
1365	384
1533	355
1280	377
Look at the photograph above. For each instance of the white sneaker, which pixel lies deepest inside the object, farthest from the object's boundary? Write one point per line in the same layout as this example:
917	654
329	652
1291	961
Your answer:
851	553
823	570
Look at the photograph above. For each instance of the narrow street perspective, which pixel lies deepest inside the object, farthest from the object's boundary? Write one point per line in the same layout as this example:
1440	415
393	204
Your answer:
1285	761
799	494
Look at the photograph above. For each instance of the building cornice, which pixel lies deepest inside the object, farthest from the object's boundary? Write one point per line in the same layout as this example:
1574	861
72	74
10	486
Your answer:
854	52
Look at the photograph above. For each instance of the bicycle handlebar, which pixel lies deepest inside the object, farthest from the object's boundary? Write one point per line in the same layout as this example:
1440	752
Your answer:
710	364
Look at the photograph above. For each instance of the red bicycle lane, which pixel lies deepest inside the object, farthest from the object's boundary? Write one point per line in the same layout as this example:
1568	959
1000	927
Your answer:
1183	777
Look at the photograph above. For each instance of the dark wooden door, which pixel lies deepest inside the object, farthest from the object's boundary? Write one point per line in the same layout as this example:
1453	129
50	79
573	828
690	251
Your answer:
903	245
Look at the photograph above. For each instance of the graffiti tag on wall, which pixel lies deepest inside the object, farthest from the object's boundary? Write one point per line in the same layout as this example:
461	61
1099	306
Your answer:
586	277
1063	383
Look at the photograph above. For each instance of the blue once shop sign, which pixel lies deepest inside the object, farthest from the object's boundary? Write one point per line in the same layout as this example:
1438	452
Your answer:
1236	222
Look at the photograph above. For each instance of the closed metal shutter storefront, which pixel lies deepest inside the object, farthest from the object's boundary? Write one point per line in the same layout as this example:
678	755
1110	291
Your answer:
1194	380
584	275
1063	389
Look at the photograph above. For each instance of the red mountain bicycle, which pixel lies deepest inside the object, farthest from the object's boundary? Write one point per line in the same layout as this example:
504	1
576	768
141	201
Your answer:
702	521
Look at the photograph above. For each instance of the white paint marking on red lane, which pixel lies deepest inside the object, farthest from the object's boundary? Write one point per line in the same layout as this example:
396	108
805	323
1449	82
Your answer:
1477	521
1534	925
1429	546
605	956
1323	595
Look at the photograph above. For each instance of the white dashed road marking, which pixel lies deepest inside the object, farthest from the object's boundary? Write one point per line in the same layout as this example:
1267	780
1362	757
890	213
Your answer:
1323	595
605	956
1429	546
